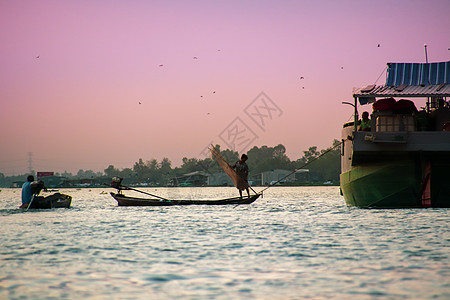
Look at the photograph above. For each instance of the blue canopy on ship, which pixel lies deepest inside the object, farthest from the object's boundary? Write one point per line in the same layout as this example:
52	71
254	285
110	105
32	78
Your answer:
409	80
418	73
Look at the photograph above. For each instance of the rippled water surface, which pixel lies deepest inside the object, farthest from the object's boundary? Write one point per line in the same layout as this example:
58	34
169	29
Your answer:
294	243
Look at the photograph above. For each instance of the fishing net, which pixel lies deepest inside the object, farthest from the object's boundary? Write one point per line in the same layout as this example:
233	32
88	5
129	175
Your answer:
238	181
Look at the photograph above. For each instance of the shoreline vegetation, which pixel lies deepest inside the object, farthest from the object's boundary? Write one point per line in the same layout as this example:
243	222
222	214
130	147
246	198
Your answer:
267	165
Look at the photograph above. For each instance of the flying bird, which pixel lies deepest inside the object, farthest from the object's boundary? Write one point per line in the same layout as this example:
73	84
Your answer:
214	92
161	65
37	56
378	45
139	102
302	77
195	57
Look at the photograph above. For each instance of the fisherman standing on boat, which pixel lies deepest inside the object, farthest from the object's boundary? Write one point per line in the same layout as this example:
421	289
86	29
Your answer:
241	168
26	192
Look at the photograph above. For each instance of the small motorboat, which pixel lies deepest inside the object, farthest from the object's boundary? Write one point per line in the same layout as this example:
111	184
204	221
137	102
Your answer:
123	200
56	200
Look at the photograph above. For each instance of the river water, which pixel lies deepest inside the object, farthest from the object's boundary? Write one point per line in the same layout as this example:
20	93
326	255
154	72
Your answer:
295	243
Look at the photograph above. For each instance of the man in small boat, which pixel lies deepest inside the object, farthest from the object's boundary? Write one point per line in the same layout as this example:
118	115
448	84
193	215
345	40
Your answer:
26	192
241	168
365	122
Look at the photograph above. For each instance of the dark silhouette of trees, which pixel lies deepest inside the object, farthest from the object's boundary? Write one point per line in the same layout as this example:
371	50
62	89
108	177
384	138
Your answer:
322	167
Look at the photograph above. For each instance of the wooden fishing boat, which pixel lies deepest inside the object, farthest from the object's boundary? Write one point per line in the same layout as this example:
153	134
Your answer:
56	200
123	200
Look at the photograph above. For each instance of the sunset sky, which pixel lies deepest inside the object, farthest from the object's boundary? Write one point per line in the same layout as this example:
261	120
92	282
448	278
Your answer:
86	84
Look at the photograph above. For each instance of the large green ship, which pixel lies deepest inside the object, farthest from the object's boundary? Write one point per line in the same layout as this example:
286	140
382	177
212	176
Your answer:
403	159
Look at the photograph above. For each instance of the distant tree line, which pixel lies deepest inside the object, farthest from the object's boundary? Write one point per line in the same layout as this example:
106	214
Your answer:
261	159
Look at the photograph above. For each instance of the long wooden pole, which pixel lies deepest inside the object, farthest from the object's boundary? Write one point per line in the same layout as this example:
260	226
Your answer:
315	158
29	204
129	188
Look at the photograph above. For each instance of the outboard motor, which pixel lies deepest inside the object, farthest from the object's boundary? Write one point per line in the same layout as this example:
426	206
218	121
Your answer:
37	187
116	183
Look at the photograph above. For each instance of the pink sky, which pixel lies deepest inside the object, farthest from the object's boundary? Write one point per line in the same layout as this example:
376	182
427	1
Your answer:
77	105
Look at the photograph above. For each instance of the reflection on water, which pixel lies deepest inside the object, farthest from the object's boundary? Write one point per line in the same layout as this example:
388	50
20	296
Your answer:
292	243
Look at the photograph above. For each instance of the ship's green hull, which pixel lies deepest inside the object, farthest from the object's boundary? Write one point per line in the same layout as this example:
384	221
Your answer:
395	184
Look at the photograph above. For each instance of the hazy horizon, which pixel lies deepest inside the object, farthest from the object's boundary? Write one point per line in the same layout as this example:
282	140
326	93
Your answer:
173	166
86	84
